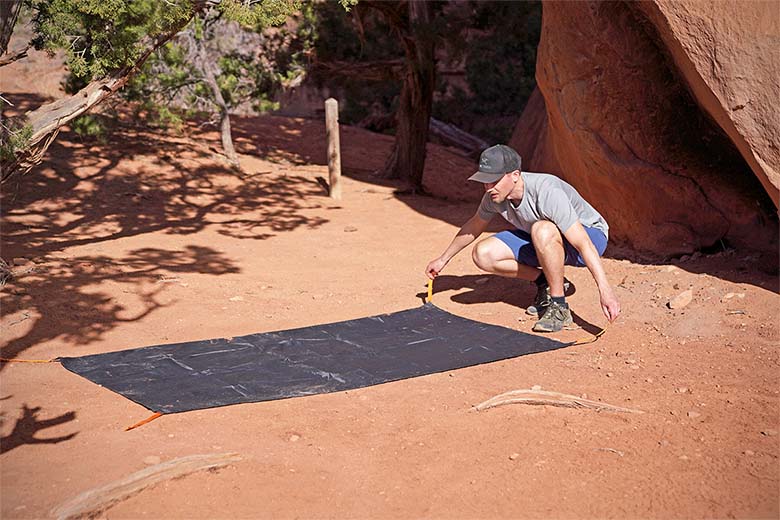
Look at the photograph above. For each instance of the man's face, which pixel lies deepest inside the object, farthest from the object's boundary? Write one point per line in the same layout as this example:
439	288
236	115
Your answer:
500	189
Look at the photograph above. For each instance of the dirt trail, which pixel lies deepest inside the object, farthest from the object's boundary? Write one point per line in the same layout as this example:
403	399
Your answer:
149	239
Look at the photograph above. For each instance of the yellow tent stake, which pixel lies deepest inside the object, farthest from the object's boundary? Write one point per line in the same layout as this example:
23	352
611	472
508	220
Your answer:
430	289
8	360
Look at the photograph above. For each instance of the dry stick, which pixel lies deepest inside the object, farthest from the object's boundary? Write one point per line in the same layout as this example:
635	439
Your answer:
334	148
94	501
549	398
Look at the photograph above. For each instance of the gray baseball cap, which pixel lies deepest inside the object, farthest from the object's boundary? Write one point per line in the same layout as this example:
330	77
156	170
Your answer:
495	162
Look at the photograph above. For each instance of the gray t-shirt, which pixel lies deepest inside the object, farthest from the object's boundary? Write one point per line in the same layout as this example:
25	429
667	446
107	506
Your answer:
545	197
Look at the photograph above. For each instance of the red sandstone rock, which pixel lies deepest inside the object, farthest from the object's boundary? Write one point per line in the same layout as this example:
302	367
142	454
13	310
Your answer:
729	55
623	128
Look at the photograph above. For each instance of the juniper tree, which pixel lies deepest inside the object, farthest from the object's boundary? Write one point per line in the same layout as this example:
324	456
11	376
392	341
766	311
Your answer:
106	42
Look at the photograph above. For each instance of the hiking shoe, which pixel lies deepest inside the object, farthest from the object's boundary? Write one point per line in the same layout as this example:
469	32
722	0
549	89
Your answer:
556	316
543	299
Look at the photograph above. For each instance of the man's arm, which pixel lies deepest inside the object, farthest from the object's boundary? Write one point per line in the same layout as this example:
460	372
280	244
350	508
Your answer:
578	237
467	234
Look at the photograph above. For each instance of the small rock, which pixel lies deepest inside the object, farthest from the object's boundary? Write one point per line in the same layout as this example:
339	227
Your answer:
749	453
769	432
536	387
682	390
649	380
670	268
663	442
514	456
350	229
236	299
151	460
683	457
727	296
693	415
681	300
295	437
609	374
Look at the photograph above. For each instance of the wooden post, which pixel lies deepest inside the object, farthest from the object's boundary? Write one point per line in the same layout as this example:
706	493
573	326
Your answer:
334	149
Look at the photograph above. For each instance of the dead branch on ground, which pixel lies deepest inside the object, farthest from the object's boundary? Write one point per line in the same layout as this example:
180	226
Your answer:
93	502
542	397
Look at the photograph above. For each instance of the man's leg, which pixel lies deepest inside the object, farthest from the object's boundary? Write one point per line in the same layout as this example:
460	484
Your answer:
496	257
548	242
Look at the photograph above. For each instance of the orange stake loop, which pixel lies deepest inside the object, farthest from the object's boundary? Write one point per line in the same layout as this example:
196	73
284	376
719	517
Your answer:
585	341
149	419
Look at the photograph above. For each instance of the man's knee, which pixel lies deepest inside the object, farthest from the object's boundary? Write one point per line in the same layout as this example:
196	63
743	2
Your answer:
485	255
544	232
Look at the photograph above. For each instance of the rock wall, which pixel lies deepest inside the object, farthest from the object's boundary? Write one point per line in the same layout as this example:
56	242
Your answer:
622	125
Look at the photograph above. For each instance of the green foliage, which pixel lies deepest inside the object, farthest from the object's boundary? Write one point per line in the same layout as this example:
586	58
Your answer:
492	42
252	65
268	13
333	37
100	36
90	127
15	138
501	64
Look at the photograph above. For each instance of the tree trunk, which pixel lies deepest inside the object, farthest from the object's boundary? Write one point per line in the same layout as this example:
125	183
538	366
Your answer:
224	116
9	11
407	159
45	121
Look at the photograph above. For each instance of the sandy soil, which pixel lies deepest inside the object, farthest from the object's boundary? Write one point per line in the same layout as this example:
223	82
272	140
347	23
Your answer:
150	239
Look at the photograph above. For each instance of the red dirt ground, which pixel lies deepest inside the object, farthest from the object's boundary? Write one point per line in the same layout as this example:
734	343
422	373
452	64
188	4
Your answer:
150	239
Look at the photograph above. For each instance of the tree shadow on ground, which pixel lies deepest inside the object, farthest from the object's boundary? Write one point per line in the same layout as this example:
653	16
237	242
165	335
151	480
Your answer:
59	293
28	425
85	195
140	183
22	103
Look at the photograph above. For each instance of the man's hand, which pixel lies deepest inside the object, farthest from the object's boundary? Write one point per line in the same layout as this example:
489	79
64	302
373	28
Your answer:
609	303
434	268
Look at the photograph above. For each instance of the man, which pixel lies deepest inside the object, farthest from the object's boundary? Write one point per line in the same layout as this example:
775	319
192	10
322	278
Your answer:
554	225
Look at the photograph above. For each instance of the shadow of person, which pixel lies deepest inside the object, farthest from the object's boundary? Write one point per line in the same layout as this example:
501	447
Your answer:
28	425
486	288
585	325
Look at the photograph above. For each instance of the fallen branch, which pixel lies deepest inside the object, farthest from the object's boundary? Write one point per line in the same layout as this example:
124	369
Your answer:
541	397
93	502
451	135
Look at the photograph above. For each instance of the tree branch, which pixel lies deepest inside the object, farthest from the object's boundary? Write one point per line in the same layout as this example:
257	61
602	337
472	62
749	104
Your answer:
47	120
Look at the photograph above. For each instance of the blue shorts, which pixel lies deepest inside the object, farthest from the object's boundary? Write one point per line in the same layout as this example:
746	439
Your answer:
520	243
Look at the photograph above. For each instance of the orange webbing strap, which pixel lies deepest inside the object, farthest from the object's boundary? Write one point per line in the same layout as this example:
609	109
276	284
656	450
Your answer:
430	290
9	360
592	339
149	419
